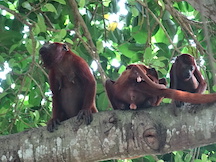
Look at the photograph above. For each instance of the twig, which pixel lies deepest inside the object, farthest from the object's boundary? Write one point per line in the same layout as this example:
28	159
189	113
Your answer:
158	21
185	25
17	15
90	47
209	49
104	24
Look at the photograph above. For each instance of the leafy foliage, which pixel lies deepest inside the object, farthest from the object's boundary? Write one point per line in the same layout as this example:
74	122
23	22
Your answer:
124	32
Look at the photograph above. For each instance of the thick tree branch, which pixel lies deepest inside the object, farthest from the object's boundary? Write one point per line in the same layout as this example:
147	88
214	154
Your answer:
113	135
207	8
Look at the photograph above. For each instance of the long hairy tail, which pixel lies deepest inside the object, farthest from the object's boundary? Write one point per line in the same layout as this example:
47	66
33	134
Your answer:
195	98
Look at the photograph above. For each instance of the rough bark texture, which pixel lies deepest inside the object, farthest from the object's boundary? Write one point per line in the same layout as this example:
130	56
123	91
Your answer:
114	134
207	8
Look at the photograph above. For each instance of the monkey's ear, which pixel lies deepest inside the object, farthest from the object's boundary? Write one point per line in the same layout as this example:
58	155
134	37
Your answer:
65	47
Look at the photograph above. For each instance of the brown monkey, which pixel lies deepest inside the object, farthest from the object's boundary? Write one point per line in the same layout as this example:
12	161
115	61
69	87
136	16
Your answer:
185	76
139	87
71	82
126	91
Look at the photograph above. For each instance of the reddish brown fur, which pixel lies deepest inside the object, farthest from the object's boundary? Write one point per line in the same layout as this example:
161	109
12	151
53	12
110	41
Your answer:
127	93
185	76
71	82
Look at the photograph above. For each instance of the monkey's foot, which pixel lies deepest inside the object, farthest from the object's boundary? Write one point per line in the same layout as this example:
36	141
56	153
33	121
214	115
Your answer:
193	108
86	115
53	124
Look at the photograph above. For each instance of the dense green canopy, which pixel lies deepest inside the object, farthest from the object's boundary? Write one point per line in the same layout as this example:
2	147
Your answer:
109	35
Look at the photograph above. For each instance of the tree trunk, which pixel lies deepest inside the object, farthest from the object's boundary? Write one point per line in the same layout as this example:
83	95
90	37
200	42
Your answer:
115	134
206	8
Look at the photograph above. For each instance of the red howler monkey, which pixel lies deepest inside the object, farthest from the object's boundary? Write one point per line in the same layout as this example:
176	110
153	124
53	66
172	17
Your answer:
126	91
185	76
71	82
139	87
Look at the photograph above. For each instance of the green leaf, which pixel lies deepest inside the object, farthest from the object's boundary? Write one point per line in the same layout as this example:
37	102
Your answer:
61	1
12	63
29	46
124	49
178	156
139	35
170	27
41	23
2	95
160	37
100	88
158	63
188	158
106	3
36	29
161	3
134	12
82	3
102	101
34	98
62	33
162	71
167	100
198	160
8	79
68	40
49	8
214	88
37	115
26	5
121	69
204	157
2	60
99	45
9	35
13	47
148	54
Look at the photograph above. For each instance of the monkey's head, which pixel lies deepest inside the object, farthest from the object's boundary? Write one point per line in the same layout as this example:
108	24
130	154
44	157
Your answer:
133	76
186	65
150	72
52	53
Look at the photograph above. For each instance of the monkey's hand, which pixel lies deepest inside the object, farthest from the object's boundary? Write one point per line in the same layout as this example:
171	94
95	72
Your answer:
53	124
86	115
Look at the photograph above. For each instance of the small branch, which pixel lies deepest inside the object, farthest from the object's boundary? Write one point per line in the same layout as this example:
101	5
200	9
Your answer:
158	21
207	8
209	49
184	25
90	47
104	24
17	15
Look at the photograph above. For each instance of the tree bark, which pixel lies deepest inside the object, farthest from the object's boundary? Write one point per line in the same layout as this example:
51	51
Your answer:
115	134
206	8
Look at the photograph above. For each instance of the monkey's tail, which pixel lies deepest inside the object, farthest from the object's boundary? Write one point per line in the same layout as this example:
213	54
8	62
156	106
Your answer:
195	98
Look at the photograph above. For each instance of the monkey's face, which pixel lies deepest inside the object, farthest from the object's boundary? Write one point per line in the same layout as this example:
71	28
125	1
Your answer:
52	53
187	71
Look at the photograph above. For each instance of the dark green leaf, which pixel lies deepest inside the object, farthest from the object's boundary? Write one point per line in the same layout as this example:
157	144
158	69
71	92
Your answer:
27	5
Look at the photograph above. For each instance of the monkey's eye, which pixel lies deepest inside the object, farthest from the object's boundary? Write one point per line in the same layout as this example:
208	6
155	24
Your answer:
65	47
192	68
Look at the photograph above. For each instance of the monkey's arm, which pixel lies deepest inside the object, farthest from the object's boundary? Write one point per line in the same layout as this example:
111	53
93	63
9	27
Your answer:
89	86
202	83
57	113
